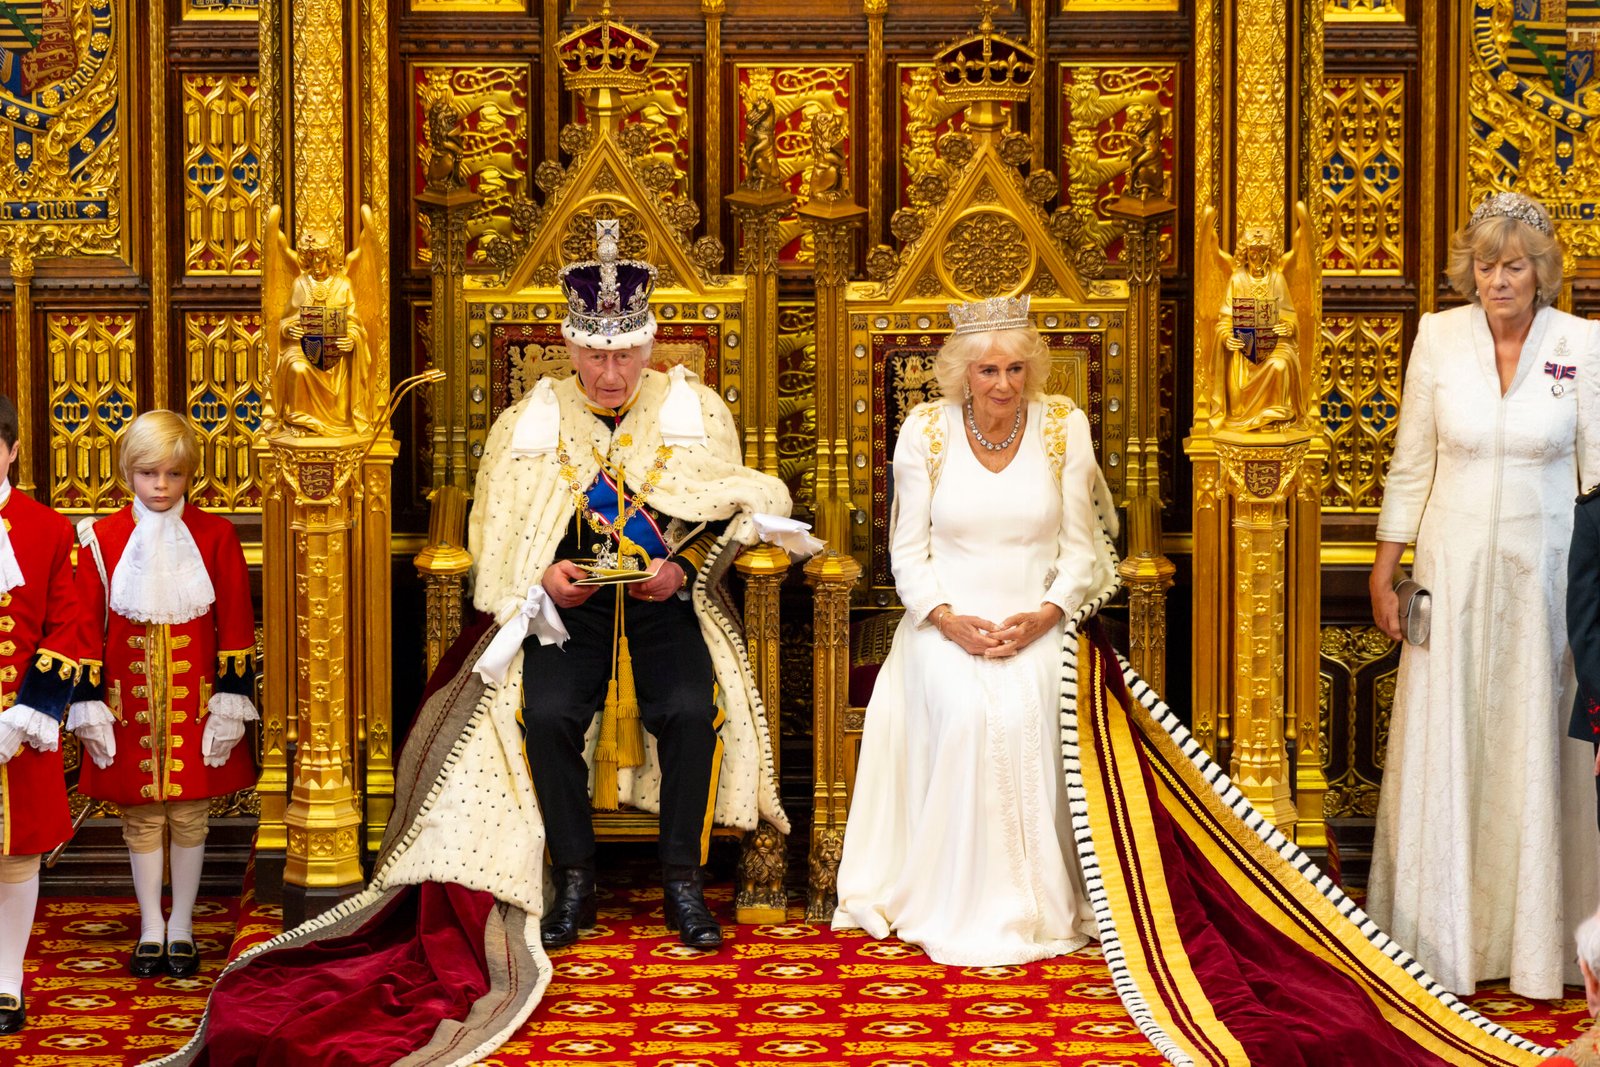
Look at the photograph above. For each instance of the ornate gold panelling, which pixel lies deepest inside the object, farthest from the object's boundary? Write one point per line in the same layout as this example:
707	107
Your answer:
1532	96
797	414
799	94
62	110
665	110
1355	692
1119	5
1363	174
1261	107
93	396
442	6
221	174
491	105
1360	396
925	116
242	10
1103	107
223	355
1364	10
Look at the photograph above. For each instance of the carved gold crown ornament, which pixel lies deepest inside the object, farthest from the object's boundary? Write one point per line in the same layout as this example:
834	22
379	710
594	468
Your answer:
606	54
986	67
996	313
1513	206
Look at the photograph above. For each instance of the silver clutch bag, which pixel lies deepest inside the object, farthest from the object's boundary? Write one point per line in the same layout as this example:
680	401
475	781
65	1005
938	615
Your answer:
1416	610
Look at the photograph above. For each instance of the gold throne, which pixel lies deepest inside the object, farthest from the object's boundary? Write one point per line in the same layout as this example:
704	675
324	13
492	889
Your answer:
975	227
508	335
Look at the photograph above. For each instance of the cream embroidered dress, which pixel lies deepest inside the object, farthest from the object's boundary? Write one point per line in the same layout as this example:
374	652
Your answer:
1485	856
959	836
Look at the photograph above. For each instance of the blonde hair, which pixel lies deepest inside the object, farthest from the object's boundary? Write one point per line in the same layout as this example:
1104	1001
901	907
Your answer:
1489	240
154	438
961	351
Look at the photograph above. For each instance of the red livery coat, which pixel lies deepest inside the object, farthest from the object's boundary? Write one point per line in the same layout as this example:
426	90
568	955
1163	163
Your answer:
38	641
158	678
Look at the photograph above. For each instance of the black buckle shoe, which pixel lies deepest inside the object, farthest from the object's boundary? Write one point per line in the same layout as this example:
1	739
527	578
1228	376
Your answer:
183	959
573	910
684	910
149	959
13	1013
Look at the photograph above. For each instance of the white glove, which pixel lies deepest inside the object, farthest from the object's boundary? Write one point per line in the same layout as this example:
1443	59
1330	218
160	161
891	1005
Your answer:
227	714
20	723
92	721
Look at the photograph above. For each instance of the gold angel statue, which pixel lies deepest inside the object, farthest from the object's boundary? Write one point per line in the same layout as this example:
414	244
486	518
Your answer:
323	381
1256	325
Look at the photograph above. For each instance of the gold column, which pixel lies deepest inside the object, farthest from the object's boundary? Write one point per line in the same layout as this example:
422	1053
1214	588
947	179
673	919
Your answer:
832	225
758	208
323	818
763	859
22	335
712	10
447	210
1213	511
160	288
1038	12
1146	571
279	724
833	576
550	24
372	601
1303	654
876	95
1258	477
1303	722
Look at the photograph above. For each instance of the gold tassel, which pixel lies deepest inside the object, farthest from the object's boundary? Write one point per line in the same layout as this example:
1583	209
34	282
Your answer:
606	793
629	732
605	755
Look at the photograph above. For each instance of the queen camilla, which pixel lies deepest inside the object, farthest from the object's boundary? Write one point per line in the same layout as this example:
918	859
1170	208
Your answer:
959	837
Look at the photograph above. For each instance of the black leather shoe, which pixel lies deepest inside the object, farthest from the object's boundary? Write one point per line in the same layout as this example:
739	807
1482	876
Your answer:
684	910
183	959
13	1013
573	910
149	959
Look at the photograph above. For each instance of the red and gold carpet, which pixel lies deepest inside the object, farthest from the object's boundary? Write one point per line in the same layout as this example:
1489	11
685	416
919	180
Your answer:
796	995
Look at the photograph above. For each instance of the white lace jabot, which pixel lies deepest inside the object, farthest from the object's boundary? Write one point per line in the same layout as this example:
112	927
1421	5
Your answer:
10	570
161	577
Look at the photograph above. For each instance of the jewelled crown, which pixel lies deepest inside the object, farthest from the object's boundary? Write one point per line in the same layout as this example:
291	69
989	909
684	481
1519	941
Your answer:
987	66
608	299
606	54
996	313
1513	206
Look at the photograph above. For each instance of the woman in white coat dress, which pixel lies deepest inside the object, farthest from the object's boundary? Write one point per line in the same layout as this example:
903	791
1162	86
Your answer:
959	837
1485	854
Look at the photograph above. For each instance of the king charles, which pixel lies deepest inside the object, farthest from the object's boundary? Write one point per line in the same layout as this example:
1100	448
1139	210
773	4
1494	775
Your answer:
609	506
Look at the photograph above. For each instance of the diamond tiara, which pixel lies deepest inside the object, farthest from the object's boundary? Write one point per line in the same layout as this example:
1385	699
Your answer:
1513	206
996	313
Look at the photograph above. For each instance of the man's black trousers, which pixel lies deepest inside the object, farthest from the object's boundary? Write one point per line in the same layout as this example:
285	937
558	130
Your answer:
564	688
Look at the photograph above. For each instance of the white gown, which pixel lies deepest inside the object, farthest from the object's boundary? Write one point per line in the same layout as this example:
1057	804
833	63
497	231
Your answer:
1485	857
959	837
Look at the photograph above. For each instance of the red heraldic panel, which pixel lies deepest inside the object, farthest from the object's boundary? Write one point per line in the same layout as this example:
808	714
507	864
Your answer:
38	639
158	678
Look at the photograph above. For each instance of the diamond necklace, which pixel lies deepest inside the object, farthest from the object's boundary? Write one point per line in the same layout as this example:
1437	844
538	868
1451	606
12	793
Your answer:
972	424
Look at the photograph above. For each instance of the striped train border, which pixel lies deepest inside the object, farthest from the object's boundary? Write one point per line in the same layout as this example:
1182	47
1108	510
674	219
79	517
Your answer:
1307	869
1110	940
